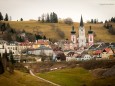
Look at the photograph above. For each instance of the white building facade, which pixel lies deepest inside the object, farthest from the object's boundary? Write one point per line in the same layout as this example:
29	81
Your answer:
82	37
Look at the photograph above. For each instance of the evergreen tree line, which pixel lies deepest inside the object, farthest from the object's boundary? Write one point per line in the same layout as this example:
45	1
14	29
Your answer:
94	21
110	20
6	18
7	62
40	37
113	19
48	18
110	28
108	25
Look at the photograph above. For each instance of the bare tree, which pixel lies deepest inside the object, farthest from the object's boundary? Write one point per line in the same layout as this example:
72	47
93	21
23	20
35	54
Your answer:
68	21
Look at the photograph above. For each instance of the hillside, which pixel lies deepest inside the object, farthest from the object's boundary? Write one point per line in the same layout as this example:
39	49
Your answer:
77	77
49	29
20	79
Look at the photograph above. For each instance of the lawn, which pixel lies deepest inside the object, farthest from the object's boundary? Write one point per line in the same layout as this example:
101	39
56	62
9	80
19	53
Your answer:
20	79
69	77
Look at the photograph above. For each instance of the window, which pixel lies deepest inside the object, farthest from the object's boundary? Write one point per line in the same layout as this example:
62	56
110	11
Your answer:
73	38
90	38
16	48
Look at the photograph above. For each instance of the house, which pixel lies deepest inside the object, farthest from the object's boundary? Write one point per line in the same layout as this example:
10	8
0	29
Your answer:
2	46
41	42
97	54
106	53
59	56
42	50
84	57
103	53
71	56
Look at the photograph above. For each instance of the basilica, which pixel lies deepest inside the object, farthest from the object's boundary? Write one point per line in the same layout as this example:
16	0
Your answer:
79	42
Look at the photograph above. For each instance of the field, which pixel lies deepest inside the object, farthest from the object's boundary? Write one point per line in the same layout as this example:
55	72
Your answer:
20	79
69	77
76	77
49	31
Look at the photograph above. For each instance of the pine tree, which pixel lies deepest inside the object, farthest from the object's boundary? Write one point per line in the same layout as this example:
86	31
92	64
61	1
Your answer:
6	17
51	18
1	17
3	27
92	21
11	63
55	19
5	60
38	18
44	37
47	18
21	19
1	66
43	18
95	21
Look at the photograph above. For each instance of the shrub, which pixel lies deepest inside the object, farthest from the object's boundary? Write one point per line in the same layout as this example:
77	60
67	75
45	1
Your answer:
93	64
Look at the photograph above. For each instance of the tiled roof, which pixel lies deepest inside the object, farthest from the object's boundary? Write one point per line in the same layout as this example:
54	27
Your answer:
97	52
43	48
107	50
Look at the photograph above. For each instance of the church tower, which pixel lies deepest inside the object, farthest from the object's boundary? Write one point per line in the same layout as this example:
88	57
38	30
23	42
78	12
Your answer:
82	38
73	35
90	37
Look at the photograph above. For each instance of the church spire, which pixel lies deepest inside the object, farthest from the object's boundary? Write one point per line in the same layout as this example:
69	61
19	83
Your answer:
81	22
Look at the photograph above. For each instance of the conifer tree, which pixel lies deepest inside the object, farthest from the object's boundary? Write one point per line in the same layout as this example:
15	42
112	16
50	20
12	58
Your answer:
51	18
44	37
6	17
11	63
5	60
1	17
1	66
43	18
92	21
38	18
47	18
21	19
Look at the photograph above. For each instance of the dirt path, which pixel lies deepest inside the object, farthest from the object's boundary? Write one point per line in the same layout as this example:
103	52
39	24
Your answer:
43	79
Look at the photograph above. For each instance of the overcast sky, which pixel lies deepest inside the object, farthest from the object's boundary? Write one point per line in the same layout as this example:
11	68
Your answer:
32	9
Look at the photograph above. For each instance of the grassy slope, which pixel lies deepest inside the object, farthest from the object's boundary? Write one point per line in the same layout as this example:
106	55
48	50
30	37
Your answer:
20	79
46	28
108	81
69	77
77	77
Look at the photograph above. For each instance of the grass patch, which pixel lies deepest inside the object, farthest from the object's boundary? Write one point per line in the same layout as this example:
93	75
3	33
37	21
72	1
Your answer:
69	77
20	79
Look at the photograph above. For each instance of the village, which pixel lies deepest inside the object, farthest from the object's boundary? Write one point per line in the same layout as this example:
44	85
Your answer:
79	48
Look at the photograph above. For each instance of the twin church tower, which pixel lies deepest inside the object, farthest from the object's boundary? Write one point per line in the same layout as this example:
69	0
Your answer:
81	37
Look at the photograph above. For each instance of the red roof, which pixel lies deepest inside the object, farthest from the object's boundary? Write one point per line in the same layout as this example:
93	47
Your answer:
97	52
107	49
